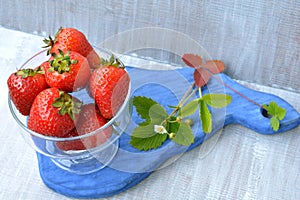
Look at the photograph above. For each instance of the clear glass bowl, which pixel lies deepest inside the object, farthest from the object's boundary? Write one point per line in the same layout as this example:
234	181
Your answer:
76	161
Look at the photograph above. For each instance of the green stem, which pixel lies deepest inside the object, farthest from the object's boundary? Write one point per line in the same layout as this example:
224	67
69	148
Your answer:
187	95
194	91
183	100
200	92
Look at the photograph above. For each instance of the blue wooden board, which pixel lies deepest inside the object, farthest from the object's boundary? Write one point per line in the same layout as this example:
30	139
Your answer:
130	166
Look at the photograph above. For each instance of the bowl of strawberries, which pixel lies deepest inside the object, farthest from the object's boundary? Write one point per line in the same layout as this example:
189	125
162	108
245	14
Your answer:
71	102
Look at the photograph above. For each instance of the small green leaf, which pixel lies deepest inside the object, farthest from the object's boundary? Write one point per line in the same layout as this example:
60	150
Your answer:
205	117
271	108
281	113
144	136
278	113
275	110
143	105
149	143
170	106
217	100
184	135
274	123
189	108
157	114
144	131
172	127
145	123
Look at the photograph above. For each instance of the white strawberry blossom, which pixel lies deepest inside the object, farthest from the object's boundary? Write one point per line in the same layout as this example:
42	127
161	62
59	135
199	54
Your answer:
160	129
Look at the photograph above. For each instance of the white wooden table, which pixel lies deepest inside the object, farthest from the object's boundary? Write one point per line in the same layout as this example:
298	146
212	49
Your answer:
243	164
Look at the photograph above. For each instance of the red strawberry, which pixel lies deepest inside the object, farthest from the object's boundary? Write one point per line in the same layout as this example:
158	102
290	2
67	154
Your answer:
109	86
67	71
53	112
24	86
71	145
90	120
73	40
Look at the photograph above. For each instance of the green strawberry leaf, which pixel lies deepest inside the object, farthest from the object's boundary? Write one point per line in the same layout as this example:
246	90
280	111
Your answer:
149	143
217	100
276	113
281	113
275	110
205	117
144	131
274	123
271	108
172	127
144	136
189	108
184	135
143	105
157	114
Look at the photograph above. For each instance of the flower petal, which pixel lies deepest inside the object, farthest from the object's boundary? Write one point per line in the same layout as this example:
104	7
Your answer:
160	129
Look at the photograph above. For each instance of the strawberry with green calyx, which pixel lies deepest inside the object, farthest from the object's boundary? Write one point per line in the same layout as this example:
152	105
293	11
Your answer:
109	86
53	113
67	105
68	71
112	61
73	40
24	85
90	120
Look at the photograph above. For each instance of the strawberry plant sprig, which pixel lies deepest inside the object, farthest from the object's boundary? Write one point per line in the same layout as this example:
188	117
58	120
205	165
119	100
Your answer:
160	126
204	72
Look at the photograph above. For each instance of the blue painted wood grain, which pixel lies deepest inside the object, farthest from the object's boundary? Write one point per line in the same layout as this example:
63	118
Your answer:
121	174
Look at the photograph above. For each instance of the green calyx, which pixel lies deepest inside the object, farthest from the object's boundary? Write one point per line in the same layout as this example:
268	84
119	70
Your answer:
30	72
112	61
61	62
50	41
67	105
